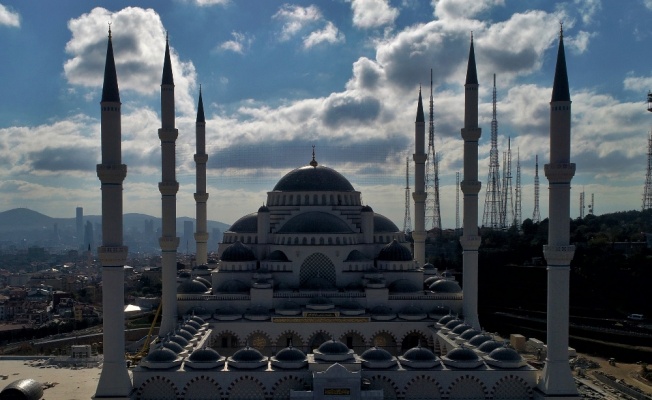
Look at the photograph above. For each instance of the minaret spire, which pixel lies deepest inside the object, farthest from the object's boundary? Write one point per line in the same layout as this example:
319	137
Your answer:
167	78
419	194
110	90
201	197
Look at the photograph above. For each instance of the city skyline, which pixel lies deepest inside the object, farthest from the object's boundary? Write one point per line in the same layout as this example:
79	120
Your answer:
341	75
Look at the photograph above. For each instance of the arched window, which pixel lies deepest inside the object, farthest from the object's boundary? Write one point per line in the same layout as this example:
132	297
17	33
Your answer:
321	240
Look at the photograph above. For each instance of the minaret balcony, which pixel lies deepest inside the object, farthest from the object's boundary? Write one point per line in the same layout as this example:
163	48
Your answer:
201	158
470	242
419	197
111	173
201	197
113	256
168	243
559	255
559	172
471	134
169	188
201	237
168	135
470	187
420	158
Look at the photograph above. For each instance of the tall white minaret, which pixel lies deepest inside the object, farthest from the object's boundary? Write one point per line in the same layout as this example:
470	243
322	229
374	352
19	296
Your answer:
201	197
419	194
168	187
114	380
470	186
557	381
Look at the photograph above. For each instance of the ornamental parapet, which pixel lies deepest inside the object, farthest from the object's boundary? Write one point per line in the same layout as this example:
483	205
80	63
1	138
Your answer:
470	242
471	134
168	188
201	158
112	256
168	243
558	255
111	173
201	237
201	197
168	135
559	172
419	158
470	187
419	197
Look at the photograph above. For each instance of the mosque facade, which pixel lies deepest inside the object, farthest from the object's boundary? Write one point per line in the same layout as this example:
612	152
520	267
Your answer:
316	296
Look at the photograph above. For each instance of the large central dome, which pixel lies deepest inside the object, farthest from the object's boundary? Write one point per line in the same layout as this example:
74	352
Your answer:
313	179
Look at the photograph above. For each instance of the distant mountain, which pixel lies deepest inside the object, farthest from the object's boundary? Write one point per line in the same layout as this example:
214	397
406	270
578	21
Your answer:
24	219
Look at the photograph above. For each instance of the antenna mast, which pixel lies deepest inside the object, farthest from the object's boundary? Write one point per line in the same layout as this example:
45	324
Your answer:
536	215
517	193
433	215
407	221
492	204
582	204
647	189
507	214
457	202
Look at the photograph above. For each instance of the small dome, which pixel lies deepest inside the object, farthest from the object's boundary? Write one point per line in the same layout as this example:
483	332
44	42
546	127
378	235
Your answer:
366	209
257	310
315	222
394	252
184	275
185	334
290	354
333	347
192	287
197	319
419	354
189	328
161	355
429	267
238	252
205	281
445	286
351	305
430	280
204	355
478	339
246	224
453	323
468	334
462	354
505	354
263	208
202	267
356	255
403	286
277	255
233	286
460	328
180	340
376	354
446	319
489	346
248	354
412	312
289	305
26	389
382	310
382	224
310	179
174	346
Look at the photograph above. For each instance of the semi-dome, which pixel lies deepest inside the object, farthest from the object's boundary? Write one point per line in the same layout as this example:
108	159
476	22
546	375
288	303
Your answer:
238	252
395	252
192	287
315	222
376	357
205	281
356	255
290	358
277	255
227	313
412	312
351	307
419	358
257	313
403	286
311	179
383	224
233	286
246	224
445	286
288	307
382	313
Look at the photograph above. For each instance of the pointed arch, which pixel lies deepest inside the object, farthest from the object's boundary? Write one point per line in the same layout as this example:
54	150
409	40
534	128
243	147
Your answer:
384	339
388	386
294	336
202	388
467	387
157	388
413	338
246	388
511	387
281	389
355	340
260	340
317	265
422	387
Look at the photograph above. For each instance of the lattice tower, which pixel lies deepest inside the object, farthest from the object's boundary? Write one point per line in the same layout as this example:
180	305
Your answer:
536	214
592	205
647	189
407	220
433	215
507	212
457	201
518	216
582	204
492	204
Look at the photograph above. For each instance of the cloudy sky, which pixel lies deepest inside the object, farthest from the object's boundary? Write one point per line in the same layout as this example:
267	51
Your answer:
342	75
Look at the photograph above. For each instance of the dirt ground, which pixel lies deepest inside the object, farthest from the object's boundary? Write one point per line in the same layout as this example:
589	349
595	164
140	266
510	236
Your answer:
627	372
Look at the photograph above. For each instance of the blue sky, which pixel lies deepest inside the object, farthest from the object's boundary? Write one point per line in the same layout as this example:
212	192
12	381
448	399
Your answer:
278	77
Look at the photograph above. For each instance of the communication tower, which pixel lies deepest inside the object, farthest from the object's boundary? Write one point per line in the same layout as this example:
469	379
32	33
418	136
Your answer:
536	215
507	214
457	201
647	189
592	205
518	216
492	204
407	220
433	215
582	204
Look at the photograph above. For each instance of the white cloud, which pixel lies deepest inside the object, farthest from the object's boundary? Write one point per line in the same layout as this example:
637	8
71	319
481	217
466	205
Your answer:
8	17
462	9
638	83
373	13
588	9
204	3
648	4
139	48
239	44
330	34
295	19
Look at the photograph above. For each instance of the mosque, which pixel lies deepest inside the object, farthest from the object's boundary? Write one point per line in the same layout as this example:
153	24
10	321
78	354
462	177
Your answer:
315	295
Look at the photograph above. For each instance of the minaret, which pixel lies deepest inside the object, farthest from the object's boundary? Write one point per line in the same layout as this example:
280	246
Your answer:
201	235
419	194
114	380
557	381
168	188
470	240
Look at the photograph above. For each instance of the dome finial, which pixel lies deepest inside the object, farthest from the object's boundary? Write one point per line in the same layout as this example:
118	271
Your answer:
561	29
313	162
109	29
